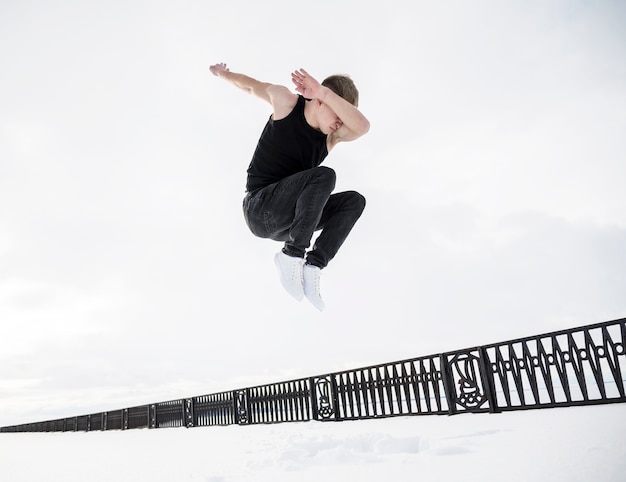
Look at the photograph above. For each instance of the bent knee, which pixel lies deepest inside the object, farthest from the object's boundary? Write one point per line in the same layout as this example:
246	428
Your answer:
357	199
326	175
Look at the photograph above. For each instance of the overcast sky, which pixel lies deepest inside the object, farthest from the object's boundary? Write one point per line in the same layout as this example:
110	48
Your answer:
494	173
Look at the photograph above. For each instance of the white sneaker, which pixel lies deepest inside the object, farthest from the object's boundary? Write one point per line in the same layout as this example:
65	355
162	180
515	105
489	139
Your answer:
290	269
311	275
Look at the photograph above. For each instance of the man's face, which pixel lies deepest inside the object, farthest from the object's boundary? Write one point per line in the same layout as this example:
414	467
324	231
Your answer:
328	121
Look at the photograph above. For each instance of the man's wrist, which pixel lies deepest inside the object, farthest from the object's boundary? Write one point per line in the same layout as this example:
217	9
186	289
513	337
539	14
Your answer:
322	93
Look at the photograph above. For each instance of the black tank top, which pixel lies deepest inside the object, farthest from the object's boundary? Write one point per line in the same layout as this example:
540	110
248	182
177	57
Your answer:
286	146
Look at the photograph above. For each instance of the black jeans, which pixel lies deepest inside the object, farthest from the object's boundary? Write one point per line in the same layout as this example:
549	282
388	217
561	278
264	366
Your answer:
292	209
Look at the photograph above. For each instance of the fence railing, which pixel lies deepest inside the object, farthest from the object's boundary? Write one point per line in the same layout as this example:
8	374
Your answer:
579	366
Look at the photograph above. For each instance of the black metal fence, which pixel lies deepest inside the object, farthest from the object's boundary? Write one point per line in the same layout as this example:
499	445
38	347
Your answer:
579	366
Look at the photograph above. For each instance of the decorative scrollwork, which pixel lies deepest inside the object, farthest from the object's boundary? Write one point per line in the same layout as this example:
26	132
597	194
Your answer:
242	410
465	371
189	412
324	402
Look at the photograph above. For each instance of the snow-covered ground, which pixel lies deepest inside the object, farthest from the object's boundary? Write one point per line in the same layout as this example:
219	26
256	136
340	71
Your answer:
581	444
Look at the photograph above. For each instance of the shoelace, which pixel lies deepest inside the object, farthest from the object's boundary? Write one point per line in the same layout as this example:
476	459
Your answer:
316	280
317	284
296	271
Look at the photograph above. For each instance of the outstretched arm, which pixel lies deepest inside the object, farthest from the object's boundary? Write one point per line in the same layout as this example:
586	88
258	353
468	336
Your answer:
281	99
355	124
245	83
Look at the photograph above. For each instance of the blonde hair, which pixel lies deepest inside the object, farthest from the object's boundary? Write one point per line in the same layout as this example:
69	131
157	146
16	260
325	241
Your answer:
343	86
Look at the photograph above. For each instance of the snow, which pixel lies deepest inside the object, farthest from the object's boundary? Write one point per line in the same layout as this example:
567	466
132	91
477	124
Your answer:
577	444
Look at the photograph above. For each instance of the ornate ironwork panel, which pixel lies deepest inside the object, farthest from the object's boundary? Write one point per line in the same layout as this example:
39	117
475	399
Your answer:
466	387
95	421
241	407
170	414
82	423
216	409
280	402
570	367
585	365
189	409
114	420
138	417
70	424
410	387
324	406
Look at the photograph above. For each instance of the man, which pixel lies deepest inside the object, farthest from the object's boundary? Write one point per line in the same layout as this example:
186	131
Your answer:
288	193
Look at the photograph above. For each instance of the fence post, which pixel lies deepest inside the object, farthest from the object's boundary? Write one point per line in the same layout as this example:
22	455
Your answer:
314	414
448	384
488	383
152	416
189	412
323	398
125	419
241	406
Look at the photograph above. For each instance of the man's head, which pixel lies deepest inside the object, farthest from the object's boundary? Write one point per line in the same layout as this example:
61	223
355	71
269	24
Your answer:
343	86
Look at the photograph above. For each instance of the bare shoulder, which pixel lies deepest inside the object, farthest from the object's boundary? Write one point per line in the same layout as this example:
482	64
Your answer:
282	99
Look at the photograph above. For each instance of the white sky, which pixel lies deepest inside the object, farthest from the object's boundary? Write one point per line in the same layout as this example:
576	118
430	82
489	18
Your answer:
493	171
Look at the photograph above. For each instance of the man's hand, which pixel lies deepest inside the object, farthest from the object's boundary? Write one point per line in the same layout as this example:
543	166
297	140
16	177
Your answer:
305	84
217	69
354	123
